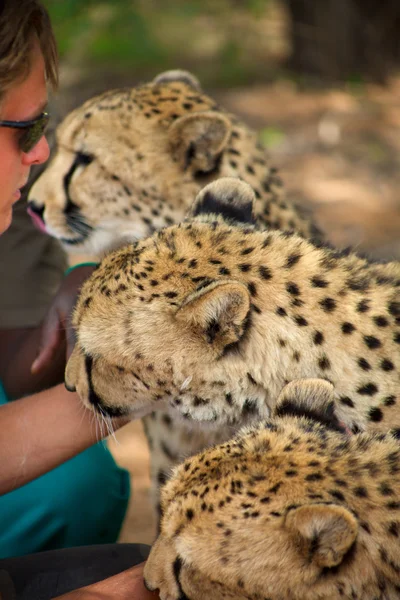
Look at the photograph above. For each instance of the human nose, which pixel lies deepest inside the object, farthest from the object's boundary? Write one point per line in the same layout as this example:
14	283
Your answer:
39	153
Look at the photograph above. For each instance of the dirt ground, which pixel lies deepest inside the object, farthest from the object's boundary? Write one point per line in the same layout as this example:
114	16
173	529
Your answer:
338	152
130	451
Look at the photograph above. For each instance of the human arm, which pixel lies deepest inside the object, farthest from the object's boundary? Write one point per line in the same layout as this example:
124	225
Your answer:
127	585
18	350
22	369
42	431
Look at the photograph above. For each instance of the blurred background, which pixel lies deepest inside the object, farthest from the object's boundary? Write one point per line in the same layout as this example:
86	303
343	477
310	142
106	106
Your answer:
319	80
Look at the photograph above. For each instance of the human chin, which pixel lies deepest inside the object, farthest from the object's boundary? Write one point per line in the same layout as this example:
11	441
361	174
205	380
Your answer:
5	219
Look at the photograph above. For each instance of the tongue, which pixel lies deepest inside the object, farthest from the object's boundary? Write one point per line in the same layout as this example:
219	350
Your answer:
37	221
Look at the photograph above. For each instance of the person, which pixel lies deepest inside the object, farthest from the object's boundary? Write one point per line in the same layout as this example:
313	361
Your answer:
94	488
46	429
31	269
125	586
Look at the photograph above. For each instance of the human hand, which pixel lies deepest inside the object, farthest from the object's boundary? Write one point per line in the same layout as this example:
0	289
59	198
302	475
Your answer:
127	585
56	327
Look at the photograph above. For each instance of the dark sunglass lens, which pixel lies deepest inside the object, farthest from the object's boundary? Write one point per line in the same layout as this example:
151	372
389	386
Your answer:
31	135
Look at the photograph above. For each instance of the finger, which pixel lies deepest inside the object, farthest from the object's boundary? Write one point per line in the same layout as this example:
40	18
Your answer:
51	338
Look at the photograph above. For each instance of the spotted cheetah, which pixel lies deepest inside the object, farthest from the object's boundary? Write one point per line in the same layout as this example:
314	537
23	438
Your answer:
290	509
131	161
207	321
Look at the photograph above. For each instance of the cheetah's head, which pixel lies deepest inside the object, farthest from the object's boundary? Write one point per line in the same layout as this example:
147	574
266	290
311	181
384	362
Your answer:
152	327
129	162
288	509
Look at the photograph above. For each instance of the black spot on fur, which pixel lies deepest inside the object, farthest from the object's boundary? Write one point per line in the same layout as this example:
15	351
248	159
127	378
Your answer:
318	338
292	260
324	363
394	308
319	282
293	288
389	401
244	267
328	304
363	306
372	342
346	401
252	288
348	328
393	529
265	272
387	365
381	321
375	414
301	321
358	285
337	494
369	389
314	477
249	407
364	364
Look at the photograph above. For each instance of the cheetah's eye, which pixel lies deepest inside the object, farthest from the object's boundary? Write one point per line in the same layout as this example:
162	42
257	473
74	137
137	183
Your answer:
83	159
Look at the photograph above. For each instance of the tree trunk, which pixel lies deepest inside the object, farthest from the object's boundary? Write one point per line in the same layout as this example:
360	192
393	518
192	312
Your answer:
340	39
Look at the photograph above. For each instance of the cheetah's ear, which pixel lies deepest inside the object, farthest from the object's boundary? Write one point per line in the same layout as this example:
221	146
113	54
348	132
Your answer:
310	398
227	197
178	75
197	140
218	313
323	533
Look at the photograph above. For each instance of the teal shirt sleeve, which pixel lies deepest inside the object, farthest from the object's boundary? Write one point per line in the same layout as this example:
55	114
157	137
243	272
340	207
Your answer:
3	396
80	503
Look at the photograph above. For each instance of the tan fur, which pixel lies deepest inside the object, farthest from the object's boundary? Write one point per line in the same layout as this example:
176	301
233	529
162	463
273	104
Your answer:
131	161
287	510
210	319
147	356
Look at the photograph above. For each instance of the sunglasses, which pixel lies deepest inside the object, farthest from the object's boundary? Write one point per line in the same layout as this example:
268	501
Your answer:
31	131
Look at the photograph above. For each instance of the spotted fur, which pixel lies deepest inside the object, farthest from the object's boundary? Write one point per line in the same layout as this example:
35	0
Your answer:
290	509
206	321
131	161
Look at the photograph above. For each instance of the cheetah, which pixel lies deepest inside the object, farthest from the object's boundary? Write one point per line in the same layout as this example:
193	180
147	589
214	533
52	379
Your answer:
208	320
131	161
290	509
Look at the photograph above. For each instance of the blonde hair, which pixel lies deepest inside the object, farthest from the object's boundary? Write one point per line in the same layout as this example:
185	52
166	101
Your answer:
22	24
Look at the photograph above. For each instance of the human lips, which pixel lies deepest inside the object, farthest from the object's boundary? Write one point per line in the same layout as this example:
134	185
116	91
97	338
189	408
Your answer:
17	193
